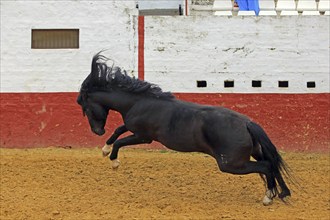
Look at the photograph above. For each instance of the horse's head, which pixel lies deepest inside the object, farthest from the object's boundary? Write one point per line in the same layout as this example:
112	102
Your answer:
88	98
95	112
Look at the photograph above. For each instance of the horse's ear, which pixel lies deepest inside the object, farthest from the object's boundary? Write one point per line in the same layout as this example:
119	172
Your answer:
94	69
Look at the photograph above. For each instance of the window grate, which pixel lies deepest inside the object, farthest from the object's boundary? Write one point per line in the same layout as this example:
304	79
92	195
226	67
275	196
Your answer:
55	39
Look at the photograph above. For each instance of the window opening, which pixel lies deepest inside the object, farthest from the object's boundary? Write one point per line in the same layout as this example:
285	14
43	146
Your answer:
256	83
201	83
283	84
229	83
311	85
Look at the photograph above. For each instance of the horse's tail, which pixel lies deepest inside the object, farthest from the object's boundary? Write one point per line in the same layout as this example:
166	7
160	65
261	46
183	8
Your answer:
270	154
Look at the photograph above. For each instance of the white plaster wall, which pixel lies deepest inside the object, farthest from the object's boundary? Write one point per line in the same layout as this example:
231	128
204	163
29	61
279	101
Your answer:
181	50
178	50
102	24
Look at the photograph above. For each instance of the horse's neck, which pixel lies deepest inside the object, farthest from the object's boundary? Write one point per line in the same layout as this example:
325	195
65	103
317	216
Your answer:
121	102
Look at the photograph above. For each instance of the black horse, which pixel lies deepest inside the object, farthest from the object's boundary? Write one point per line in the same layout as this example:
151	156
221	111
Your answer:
153	115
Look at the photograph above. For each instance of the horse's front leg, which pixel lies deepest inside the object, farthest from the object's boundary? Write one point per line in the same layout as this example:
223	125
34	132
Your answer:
107	147
129	140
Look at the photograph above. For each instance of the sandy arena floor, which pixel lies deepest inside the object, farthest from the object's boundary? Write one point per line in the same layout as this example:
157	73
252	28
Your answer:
57	183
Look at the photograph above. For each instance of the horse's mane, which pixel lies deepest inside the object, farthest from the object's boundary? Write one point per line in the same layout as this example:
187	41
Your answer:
109	78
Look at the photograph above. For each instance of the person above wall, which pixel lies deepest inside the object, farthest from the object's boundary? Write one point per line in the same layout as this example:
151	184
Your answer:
248	5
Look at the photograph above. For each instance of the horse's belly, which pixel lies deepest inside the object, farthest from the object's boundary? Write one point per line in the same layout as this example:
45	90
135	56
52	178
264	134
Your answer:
182	144
180	148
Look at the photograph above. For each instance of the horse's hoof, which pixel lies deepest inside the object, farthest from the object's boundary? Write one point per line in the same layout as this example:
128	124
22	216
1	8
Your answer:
267	201
286	199
106	150
115	164
285	193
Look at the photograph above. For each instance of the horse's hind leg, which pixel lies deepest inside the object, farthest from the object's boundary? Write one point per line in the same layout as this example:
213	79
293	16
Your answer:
284	188
262	167
257	155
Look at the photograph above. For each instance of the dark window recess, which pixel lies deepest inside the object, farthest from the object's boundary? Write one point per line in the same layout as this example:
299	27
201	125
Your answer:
256	83
283	84
311	85
229	83
201	83
55	39
146	11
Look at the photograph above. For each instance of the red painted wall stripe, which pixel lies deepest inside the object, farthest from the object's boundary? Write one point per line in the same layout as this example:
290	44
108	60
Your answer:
293	121
141	47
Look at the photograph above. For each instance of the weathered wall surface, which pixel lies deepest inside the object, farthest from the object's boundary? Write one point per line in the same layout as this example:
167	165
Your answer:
242	49
39	87
54	119
103	25
181	50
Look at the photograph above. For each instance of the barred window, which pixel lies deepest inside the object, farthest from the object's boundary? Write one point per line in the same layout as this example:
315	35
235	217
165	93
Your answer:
55	39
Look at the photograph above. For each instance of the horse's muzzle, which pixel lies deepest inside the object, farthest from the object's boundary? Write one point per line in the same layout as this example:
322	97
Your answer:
98	131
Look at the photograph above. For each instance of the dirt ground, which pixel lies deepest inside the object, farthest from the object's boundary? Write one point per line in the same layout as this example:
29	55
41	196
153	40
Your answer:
56	183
